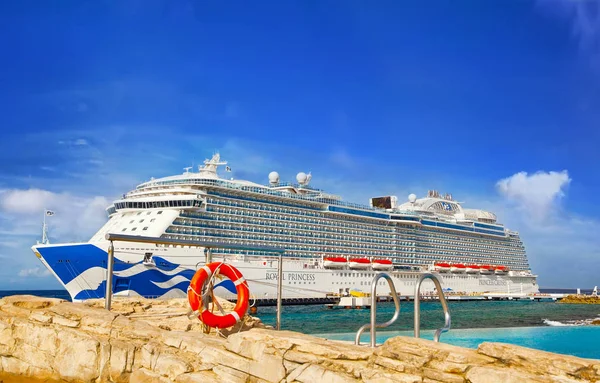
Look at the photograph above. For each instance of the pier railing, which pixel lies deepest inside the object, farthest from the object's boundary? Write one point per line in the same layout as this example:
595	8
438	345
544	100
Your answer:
208	245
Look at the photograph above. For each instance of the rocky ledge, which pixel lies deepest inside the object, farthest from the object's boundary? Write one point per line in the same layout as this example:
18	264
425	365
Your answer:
581	299
154	341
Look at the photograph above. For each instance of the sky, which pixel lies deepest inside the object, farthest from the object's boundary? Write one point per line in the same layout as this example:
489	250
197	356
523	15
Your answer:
496	102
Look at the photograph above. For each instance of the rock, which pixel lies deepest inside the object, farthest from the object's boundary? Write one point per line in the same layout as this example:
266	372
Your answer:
29	302
581	299
144	376
121	360
315	373
539	361
155	342
199	377
442	376
171	366
228	374
501	375
77	356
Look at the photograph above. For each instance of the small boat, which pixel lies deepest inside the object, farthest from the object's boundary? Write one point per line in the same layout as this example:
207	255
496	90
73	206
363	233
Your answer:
486	269
382	264
472	269
359	263
501	270
442	267
334	262
457	268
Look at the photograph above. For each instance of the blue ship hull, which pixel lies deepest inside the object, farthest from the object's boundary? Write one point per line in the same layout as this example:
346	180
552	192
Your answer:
81	268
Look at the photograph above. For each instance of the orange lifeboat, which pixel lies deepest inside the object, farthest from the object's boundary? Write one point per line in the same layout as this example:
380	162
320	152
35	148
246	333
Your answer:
501	270
458	268
359	263
486	269
472	269
442	267
382	264
334	262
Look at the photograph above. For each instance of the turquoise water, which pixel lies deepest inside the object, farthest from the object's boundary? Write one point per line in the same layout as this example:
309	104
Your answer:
317	319
542	325
582	341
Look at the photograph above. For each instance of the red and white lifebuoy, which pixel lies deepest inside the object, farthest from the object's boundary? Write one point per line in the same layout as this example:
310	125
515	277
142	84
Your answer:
195	295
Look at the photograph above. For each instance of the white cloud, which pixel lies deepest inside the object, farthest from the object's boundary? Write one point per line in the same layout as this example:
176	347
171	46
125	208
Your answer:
37	272
537	194
76	218
561	246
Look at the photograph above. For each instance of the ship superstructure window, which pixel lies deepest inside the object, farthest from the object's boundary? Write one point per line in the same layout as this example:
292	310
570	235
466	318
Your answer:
134	229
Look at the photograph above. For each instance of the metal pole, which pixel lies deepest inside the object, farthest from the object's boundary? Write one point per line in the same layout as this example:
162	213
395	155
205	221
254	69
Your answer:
109	276
208	255
279	289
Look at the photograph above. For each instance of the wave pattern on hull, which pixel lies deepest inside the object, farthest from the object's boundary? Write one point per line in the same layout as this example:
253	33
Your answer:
82	269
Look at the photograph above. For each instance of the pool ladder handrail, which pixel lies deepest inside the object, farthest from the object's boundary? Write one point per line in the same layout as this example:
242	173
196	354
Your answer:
447	318
373	325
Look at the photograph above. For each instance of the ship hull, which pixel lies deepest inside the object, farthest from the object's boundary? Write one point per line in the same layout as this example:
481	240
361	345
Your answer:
81	269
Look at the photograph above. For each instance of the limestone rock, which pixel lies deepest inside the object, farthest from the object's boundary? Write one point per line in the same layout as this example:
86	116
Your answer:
144	376
539	361
155	342
77	356
501	375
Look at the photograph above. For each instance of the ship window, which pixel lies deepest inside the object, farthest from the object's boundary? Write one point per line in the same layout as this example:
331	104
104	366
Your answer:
124	229
134	229
131	221
145	228
159	212
148	213
141	220
152	220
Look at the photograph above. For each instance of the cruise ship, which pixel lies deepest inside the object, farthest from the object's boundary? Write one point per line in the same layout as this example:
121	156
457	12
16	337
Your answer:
332	247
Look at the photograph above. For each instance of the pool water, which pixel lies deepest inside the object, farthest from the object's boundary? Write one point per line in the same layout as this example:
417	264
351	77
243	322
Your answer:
581	341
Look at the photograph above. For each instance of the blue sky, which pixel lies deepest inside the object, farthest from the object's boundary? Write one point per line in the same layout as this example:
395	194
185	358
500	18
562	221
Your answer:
497	102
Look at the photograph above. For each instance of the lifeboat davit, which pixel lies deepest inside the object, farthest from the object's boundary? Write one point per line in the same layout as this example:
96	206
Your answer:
486	269
472	269
359	263
458	268
334	262
442	267
382	264
501	270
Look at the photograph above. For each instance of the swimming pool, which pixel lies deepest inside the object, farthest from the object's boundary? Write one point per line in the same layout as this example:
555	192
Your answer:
581	341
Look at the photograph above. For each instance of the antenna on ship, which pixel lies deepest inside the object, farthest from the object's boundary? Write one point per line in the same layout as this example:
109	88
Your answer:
47	213
211	165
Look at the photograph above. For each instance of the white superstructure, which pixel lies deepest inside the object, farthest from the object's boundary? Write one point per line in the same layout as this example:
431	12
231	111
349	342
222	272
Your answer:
332	246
